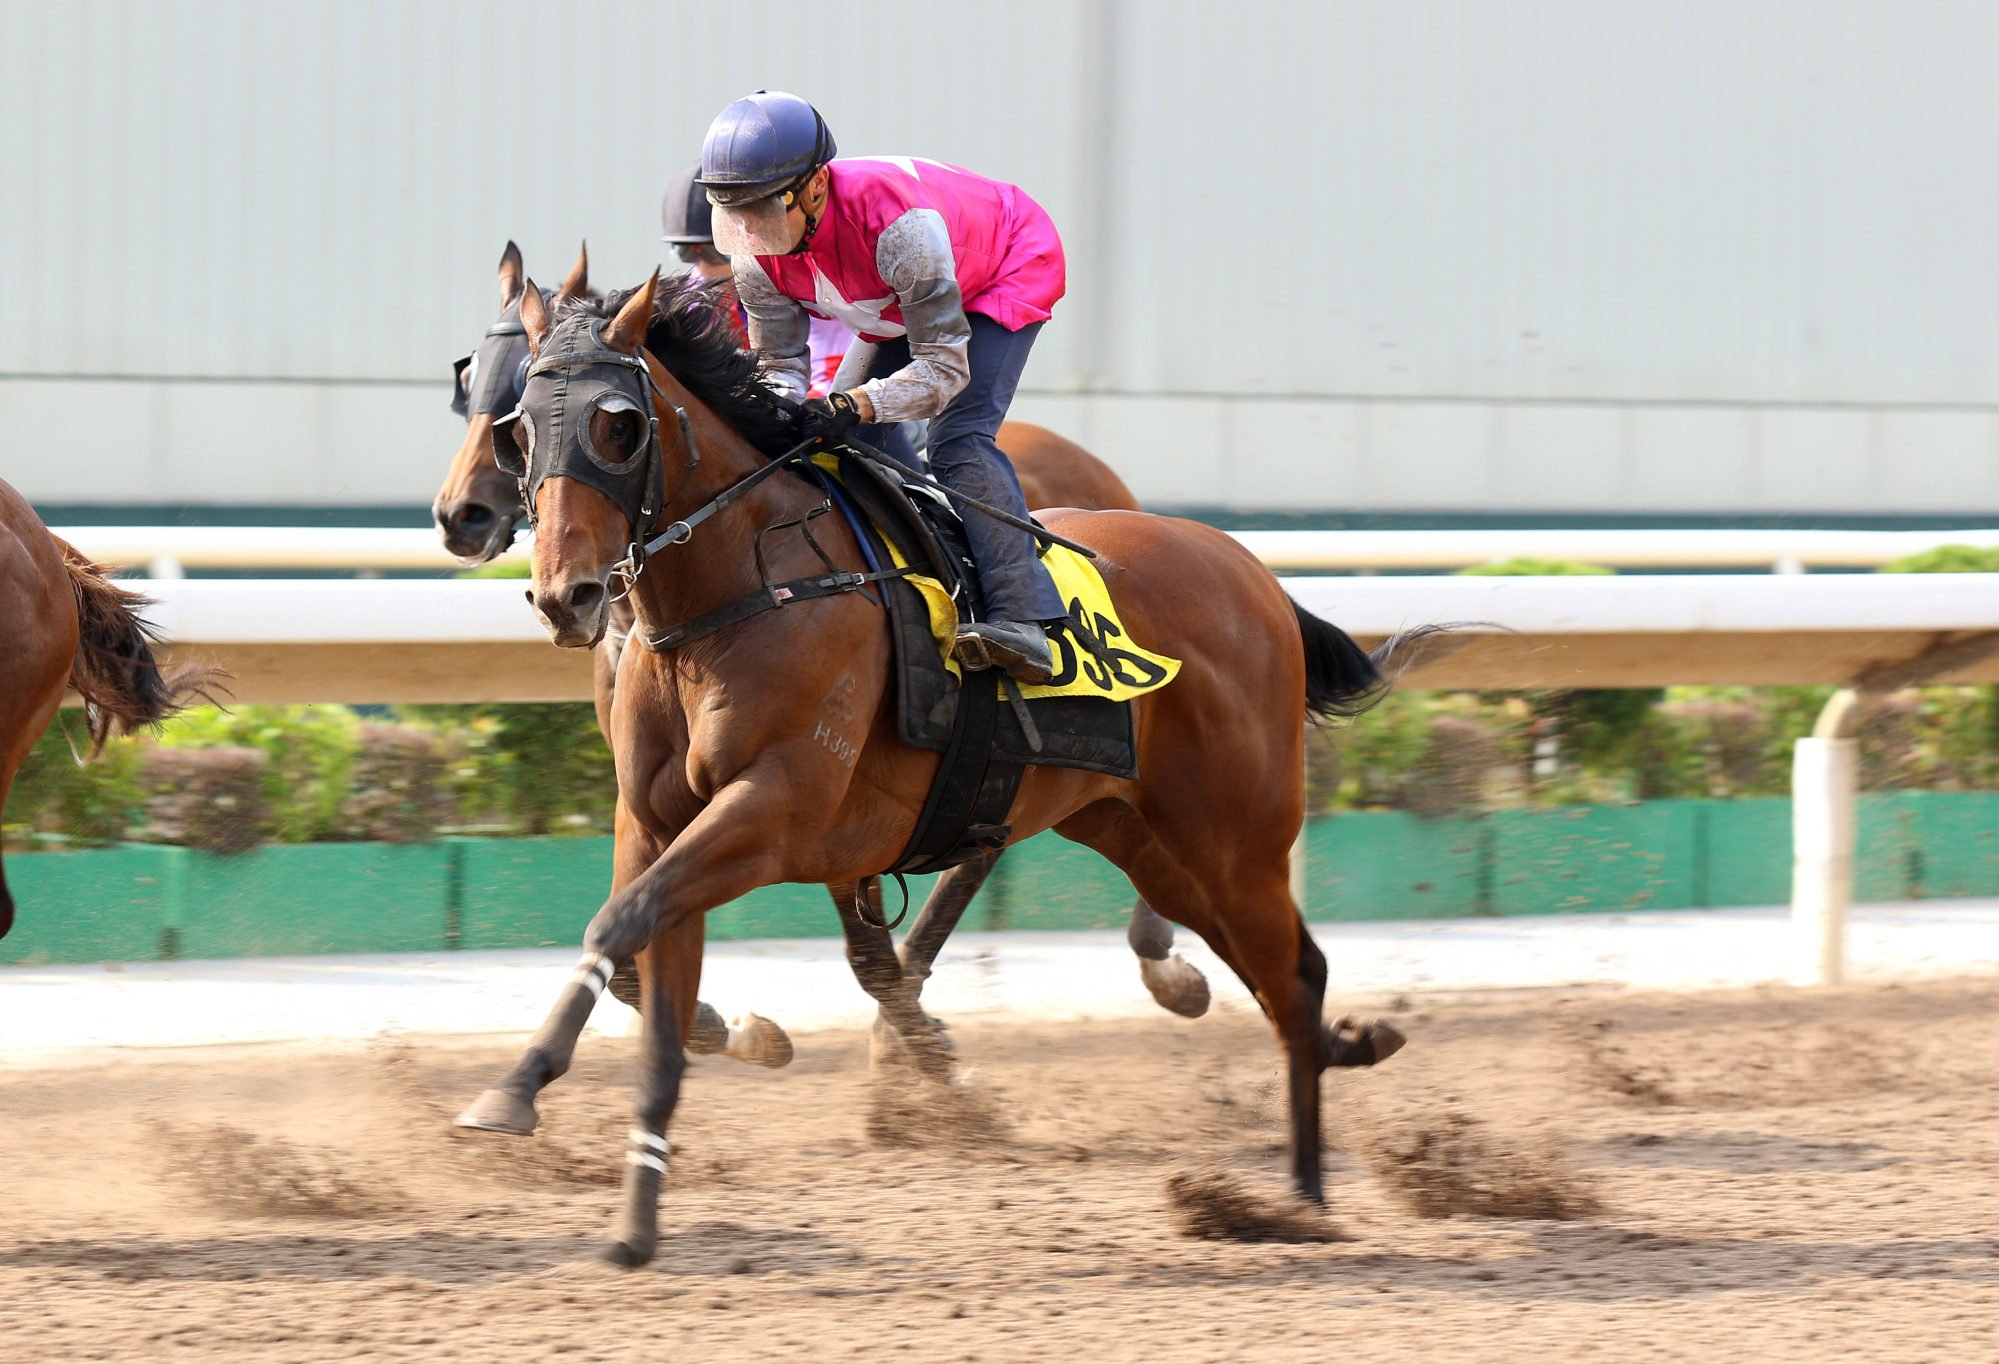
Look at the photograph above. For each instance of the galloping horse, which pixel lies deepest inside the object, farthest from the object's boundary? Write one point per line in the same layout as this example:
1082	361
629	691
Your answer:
475	511
66	625
720	744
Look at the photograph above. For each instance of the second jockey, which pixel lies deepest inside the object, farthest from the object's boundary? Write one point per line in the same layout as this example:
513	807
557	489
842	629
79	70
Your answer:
685	225
945	275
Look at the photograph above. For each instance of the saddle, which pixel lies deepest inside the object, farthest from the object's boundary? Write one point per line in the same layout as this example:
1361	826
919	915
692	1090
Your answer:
987	738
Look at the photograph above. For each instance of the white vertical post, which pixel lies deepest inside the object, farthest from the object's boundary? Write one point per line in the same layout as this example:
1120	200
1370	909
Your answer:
1299	869
1824	777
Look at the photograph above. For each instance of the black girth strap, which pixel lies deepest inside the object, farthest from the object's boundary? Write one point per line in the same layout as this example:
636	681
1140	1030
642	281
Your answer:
965	813
767	598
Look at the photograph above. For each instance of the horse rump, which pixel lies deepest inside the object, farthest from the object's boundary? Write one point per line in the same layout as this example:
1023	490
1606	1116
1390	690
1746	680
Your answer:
1342	679
122	684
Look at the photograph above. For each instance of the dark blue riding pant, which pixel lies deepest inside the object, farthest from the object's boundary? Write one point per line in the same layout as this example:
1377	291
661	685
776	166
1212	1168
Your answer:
965	456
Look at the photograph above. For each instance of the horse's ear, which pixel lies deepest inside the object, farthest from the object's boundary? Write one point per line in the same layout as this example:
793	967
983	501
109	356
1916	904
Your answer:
534	316
627	331
511	273
578	281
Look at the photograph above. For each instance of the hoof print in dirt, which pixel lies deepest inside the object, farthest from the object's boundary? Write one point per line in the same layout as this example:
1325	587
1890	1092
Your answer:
1605	1066
234	1171
906	1111
1211	1205
1451	1165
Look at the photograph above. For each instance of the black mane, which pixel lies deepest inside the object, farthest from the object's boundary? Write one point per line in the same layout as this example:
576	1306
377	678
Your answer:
691	336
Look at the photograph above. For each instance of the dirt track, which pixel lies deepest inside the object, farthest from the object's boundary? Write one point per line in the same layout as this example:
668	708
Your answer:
1777	1175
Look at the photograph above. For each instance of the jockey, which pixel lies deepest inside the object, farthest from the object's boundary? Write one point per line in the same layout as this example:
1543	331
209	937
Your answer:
947	277
684	225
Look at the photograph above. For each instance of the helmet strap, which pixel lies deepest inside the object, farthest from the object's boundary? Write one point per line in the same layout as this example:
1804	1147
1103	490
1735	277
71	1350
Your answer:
795	192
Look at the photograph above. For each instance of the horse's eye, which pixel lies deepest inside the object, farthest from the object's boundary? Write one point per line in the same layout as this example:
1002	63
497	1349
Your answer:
625	429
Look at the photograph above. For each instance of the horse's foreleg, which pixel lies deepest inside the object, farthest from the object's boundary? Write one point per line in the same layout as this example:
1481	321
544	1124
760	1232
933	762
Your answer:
670	974
509	1106
724	853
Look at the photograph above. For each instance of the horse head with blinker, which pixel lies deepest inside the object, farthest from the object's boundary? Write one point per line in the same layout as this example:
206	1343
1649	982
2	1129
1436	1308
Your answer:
477	505
585	449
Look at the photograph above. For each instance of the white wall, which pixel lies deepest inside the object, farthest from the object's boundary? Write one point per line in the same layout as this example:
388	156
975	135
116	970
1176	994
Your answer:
1718	255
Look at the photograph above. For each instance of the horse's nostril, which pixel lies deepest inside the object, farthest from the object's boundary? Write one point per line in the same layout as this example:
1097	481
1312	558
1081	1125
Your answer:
475	516
585	596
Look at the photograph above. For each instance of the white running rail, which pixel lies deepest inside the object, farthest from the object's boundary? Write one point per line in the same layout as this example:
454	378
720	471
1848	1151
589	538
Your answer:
169	551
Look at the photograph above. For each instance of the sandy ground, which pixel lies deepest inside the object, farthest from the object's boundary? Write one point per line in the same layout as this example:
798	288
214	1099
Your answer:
1766	1174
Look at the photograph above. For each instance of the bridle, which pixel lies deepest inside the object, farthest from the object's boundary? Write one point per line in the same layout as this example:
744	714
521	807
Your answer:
585	376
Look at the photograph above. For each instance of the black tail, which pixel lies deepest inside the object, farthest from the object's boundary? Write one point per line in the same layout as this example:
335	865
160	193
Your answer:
121	683
1342	679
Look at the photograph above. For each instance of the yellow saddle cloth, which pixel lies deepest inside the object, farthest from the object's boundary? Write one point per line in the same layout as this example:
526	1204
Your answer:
1124	670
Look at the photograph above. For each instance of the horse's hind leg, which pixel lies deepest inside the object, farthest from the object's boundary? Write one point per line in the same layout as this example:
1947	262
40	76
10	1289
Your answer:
872	955
940	914
11	754
1175	983
23	727
1255	930
757	1042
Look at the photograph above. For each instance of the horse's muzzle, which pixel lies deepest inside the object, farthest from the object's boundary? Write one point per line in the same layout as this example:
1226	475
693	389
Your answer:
471	530
574	612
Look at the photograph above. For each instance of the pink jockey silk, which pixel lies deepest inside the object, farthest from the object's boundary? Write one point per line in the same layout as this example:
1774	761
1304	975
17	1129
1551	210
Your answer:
827	345
829	342
1009	257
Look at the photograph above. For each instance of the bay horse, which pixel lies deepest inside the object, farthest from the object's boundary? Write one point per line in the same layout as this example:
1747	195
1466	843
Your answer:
66	625
475	511
721	747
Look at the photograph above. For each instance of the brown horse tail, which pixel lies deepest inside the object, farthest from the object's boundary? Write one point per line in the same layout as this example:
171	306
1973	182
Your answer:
1342	679
123	687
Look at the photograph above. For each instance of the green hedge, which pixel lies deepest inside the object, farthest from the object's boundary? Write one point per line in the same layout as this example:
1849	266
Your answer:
331	773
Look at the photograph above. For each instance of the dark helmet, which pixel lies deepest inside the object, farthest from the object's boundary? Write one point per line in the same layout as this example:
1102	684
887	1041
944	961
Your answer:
684	215
760	145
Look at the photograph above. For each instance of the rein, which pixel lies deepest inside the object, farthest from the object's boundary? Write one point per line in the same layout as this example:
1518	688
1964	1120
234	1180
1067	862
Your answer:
771	595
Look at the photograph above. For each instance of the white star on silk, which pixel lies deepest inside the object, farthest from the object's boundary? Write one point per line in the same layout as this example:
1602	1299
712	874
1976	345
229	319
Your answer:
860	315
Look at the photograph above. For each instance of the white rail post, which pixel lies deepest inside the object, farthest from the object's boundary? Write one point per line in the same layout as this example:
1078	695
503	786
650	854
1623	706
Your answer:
1300	869
1825	777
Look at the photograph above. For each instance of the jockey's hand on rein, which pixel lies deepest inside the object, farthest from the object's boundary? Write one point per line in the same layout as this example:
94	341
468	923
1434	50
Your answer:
832	416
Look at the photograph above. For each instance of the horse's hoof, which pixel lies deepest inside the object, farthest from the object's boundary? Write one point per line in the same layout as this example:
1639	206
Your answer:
625	1255
1387	1041
710	1035
888	1048
499	1110
1177	985
759	1042
1351	1042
